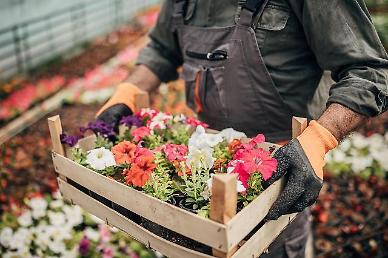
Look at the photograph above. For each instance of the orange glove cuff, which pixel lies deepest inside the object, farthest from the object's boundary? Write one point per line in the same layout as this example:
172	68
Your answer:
124	94
316	141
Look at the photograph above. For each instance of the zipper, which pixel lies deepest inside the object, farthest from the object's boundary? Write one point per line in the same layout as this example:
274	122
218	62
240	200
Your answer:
216	55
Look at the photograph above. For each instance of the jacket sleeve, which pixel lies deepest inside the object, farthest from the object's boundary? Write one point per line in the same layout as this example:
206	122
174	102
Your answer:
342	36
162	54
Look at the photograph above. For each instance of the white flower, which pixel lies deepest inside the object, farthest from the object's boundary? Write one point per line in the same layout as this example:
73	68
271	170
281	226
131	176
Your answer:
20	239
57	246
375	142
381	157
179	118
56	204
200	158
159	121
39	206
6	236
70	253
230	134
25	220
73	215
38	203
360	163
338	156
359	141
345	145
240	187
92	234
100	158
56	218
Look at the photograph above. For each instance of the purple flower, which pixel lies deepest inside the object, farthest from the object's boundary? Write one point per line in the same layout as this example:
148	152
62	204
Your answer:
70	140
130	121
84	246
100	127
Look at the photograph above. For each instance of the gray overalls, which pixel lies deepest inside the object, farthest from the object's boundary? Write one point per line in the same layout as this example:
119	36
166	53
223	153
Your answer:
228	85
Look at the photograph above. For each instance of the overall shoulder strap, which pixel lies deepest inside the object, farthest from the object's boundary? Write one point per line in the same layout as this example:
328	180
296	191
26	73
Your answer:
251	9
178	13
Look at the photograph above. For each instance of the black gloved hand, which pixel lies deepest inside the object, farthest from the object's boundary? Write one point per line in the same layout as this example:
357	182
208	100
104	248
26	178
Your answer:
302	184
113	114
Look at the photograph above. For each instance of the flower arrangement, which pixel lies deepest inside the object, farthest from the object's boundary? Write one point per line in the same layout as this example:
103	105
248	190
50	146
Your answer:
173	158
50	228
361	155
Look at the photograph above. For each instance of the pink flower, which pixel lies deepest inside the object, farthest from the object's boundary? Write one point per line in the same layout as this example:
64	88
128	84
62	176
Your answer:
104	233
139	133
250	159
175	152
252	144
195	122
107	252
146	113
243	174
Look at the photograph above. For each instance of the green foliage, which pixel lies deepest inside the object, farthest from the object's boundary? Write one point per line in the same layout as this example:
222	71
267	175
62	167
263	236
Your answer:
79	156
255	189
194	185
160	185
103	142
153	141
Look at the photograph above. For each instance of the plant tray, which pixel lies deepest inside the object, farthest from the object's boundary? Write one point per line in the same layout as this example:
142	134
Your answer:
226	234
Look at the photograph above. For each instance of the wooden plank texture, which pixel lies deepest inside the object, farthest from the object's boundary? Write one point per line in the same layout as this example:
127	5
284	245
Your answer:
55	127
241	224
117	220
298	126
260	241
211	233
223	203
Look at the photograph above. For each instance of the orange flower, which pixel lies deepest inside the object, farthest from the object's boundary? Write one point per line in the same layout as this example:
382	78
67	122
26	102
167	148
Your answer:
124	152
234	146
178	168
136	176
140	171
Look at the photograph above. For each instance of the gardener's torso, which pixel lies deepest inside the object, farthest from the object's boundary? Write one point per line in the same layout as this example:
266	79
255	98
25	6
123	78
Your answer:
258	77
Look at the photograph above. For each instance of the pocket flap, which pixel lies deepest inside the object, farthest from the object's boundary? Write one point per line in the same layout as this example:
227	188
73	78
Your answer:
274	18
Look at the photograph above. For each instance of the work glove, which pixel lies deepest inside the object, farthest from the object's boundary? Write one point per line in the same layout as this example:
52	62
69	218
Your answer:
301	161
121	104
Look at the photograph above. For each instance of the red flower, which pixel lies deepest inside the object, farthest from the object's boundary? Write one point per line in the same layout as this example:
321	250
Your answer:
124	152
140	133
195	122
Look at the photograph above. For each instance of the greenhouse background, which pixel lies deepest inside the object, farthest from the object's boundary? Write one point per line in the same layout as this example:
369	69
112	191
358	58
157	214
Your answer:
66	57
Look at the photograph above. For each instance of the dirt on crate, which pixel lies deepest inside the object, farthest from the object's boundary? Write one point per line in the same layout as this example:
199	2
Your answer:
25	160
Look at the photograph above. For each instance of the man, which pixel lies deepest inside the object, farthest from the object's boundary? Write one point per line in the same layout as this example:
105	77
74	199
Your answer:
253	65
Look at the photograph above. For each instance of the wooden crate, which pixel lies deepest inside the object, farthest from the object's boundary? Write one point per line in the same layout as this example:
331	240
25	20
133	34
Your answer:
225	233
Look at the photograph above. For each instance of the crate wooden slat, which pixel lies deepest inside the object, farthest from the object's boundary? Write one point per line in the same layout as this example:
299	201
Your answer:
212	233
117	220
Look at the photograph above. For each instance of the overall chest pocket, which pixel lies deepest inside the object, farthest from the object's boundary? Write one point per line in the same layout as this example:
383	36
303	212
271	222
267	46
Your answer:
273	20
204	91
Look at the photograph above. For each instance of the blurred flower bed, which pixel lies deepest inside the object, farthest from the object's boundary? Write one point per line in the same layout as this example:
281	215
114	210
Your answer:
47	227
21	93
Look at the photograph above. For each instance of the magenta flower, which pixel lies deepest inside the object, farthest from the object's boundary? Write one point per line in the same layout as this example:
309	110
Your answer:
84	246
